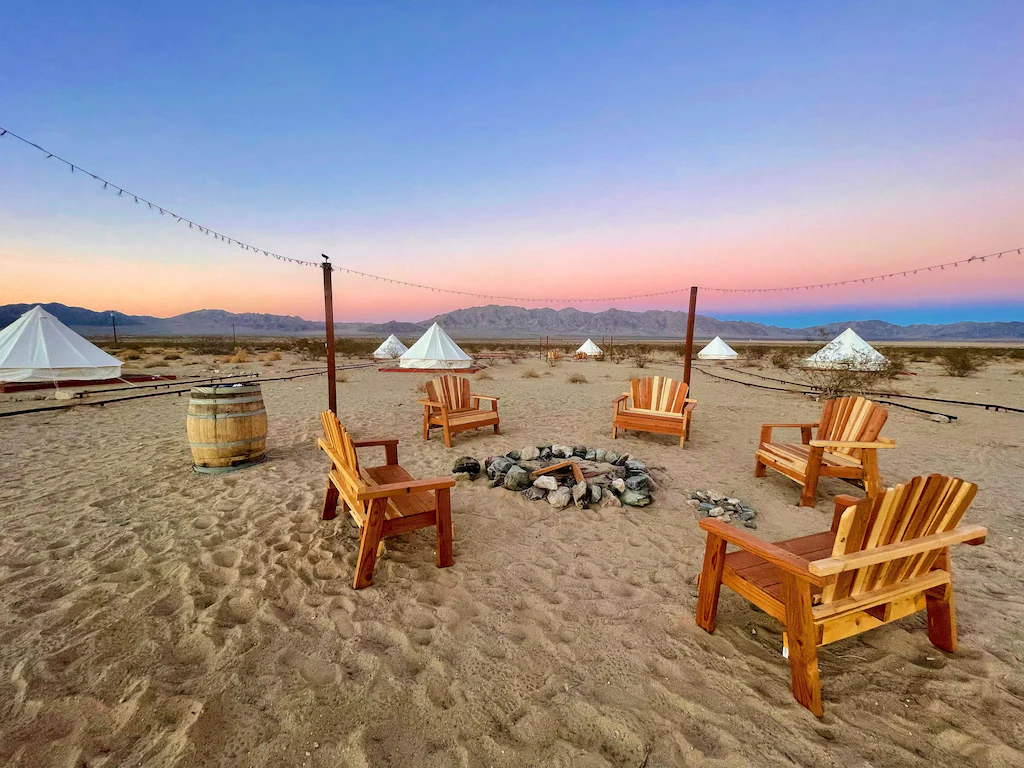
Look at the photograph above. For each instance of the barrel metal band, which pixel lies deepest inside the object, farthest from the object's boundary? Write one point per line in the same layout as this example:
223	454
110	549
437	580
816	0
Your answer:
224	400
217	416
233	444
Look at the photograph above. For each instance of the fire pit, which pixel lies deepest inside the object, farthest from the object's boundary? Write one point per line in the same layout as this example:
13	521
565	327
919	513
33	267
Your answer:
564	475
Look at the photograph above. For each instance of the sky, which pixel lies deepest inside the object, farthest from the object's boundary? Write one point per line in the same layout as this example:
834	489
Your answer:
552	149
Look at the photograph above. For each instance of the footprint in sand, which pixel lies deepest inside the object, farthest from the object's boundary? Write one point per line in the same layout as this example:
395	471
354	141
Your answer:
204	521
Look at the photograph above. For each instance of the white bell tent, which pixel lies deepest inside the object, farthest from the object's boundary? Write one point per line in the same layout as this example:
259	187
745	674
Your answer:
391	349
435	349
717	350
847	350
590	349
39	347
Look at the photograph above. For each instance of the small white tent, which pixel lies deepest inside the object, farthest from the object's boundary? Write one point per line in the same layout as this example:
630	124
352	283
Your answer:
717	350
435	349
391	349
589	348
39	347
847	350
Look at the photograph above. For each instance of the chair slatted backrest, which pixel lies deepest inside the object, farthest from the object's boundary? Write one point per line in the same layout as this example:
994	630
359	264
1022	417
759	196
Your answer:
854	419
453	391
347	465
925	505
658	393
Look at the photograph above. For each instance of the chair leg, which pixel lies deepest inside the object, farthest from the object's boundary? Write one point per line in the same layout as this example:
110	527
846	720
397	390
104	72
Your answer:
368	542
760	470
444	528
872	482
803	646
810	492
329	510
941	613
426	422
497	431
710	584
447	435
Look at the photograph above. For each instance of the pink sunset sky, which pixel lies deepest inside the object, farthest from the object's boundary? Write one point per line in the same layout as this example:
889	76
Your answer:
615	162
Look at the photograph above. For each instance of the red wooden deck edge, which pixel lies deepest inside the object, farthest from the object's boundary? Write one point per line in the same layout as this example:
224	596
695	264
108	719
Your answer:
437	371
25	386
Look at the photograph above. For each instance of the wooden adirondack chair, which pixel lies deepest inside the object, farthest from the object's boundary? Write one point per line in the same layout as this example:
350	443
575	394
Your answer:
384	501
450	405
656	404
846	447
885	558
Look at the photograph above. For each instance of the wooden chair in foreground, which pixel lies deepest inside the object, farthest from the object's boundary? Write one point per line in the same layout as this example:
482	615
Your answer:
885	558
450	405
657	404
384	501
846	446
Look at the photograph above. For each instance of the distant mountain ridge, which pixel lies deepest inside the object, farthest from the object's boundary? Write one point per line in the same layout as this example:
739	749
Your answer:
494	321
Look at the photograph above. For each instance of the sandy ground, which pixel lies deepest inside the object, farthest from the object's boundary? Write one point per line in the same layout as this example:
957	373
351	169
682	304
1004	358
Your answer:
150	616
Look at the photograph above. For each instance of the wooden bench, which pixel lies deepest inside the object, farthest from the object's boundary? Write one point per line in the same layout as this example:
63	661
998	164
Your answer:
846	447
656	404
885	558
452	407
384	501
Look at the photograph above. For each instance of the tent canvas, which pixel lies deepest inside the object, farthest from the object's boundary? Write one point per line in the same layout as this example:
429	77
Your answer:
39	347
589	348
435	349
391	348
717	350
847	350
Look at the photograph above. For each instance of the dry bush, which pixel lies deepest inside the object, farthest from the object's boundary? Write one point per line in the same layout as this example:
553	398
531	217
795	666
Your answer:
129	354
895	364
271	357
152	364
846	378
529	374
754	354
172	356
310	349
783	358
640	355
960	362
240	356
514	354
616	356
576	378
553	361
484	376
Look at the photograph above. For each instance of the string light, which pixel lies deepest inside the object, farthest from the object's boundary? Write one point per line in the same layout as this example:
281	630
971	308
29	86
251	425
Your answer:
497	297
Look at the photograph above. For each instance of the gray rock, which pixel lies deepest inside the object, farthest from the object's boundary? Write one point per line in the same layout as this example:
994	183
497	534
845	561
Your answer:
591	455
634	499
706	506
726	518
733	502
639	483
545	453
601	455
561	451
595	494
517	479
467	465
499	466
702	495
635	467
746	515
693	504
498	481
750	524
715	496
580	451
622	459
529	453
560	498
618	485
580	495
609	499
514	455
611	457
618	472
547	482
939	418
716	512
534	493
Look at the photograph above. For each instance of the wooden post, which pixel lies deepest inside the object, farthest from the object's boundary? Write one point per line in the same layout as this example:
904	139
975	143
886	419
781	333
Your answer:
113	322
332	387
234	339
689	335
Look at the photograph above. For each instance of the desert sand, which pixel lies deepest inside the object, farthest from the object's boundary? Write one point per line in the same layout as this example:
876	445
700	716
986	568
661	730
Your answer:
150	616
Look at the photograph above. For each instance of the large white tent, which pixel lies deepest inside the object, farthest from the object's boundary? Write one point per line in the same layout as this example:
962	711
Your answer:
39	347
717	350
435	349
391	349
847	350
589	348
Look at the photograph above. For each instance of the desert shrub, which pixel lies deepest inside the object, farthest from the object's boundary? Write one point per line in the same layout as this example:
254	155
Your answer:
783	358
576	378
640	354
755	353
129	354
514	353
172	356
848	377
354	347
960	362
271	357
553	360
895	364
310	349
484	376
617	355
152	364
241	356
529	374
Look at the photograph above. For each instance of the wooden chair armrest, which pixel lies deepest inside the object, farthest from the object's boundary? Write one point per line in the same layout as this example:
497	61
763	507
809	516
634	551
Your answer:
815	424
852	444
430	403
843	502
484	397
408	486
774	554
830	566
620	398
378	441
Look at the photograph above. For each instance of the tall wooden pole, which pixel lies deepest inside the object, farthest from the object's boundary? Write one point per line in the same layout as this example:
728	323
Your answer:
690	318
332	385
113	322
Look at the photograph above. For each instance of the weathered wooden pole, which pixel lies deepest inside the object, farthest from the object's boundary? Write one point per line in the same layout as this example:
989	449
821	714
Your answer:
113	322
689	334
332	386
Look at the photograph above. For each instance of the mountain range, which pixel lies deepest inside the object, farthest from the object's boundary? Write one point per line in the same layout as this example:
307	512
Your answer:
495	321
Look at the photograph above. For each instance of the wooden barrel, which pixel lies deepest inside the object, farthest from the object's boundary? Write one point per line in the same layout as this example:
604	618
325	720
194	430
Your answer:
227	427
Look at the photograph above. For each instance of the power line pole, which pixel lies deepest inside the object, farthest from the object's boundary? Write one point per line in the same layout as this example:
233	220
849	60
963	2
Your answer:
689	334
113	322
332	387
233	339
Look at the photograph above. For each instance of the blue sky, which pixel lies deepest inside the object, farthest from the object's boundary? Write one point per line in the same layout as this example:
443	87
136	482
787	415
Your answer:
630	145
